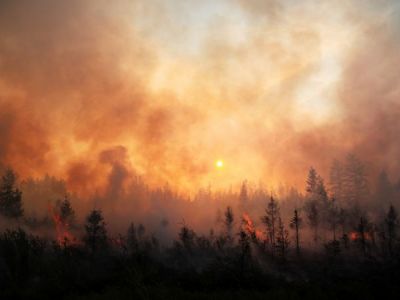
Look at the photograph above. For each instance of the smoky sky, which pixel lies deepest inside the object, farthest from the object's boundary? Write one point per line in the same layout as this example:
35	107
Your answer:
98	92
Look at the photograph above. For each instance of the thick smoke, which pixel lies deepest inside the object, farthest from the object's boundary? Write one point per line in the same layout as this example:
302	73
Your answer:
104	93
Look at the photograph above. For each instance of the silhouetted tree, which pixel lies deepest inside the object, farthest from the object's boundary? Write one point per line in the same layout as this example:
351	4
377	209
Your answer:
10	196
355	181
243	197
67	214
312	212
336	181
295	224
270	219
392	224
333	218
96	234
321	193
312	181
342	218
245	251
383	239
317	205
282	240
342	222
363	228
384	191
229	220
187	237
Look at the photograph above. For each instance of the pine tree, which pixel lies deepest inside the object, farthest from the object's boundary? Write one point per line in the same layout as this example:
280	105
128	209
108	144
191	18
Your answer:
333	218
392	224
243	197
187	237
312	181
245	251
384	190
10	197
362	234
336	181
295	224
229	220
355	182
67	214
96	233
321	194
270	219
282	240
313	217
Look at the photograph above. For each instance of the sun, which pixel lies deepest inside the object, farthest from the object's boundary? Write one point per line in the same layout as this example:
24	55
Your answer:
219	164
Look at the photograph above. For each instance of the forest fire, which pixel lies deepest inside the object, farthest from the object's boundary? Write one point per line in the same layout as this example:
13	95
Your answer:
185	149
62	228
356	236
249	227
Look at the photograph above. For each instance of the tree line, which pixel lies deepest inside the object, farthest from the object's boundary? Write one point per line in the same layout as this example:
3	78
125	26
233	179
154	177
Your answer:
327	226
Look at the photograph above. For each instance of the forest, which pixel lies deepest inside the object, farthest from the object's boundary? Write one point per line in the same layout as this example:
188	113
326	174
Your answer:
335	238
186	149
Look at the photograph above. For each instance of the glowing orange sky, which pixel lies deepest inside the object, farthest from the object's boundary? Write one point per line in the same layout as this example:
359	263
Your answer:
163	89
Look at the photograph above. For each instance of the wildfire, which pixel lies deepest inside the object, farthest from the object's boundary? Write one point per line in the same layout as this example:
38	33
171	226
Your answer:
248	226
63	234
354	236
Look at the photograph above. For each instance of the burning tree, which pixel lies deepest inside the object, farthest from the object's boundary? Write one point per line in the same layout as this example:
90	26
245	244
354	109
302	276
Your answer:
62	227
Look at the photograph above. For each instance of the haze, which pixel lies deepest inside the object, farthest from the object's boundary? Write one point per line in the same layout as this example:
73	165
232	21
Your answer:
97	91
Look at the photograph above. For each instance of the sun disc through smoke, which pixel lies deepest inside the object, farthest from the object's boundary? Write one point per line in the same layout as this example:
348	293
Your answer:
219	164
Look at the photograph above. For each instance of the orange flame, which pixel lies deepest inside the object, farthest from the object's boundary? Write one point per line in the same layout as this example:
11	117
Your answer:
63	234
354	236
248	226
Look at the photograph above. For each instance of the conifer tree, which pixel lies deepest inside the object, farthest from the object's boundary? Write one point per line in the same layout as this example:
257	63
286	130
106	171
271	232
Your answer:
392	224
96	234
229	221
282	240
187	237
295	224
270	221
243	197
10	196
312	181
67	214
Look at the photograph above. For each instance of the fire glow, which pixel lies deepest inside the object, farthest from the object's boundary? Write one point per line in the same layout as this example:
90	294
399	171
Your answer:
62	228
126	95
